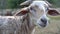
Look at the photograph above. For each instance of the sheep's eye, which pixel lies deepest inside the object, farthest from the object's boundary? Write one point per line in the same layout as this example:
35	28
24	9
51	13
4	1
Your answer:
32	9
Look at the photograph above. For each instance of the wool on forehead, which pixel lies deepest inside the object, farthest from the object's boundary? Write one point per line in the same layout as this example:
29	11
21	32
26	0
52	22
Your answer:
39	3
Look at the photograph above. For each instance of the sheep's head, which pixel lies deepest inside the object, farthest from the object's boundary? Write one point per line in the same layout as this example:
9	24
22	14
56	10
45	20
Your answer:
38	11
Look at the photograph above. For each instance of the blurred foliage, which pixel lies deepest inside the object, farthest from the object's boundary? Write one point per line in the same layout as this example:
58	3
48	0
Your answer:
55	3
10	3
14	3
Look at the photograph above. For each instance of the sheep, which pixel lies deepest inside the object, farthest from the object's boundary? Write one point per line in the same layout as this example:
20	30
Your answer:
25	20
38	11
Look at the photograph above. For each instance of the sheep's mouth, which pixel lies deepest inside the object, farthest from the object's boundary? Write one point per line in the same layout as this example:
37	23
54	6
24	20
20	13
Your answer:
42	25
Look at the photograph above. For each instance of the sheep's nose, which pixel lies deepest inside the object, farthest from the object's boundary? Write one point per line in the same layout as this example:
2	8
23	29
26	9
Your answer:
44	21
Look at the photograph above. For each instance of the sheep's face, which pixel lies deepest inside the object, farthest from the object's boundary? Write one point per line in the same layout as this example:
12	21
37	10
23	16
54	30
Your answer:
38	11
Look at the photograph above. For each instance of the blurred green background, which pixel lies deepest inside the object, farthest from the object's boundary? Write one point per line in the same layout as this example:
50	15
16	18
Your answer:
10	3
15	3
55	3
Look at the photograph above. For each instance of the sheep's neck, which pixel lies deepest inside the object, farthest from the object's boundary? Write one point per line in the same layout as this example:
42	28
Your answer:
27	27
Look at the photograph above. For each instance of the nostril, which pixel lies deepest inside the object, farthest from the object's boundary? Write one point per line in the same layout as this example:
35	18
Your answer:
44	21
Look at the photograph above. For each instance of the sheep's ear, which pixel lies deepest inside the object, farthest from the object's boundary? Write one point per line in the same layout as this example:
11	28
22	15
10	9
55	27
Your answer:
53	12
22	12
26	3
